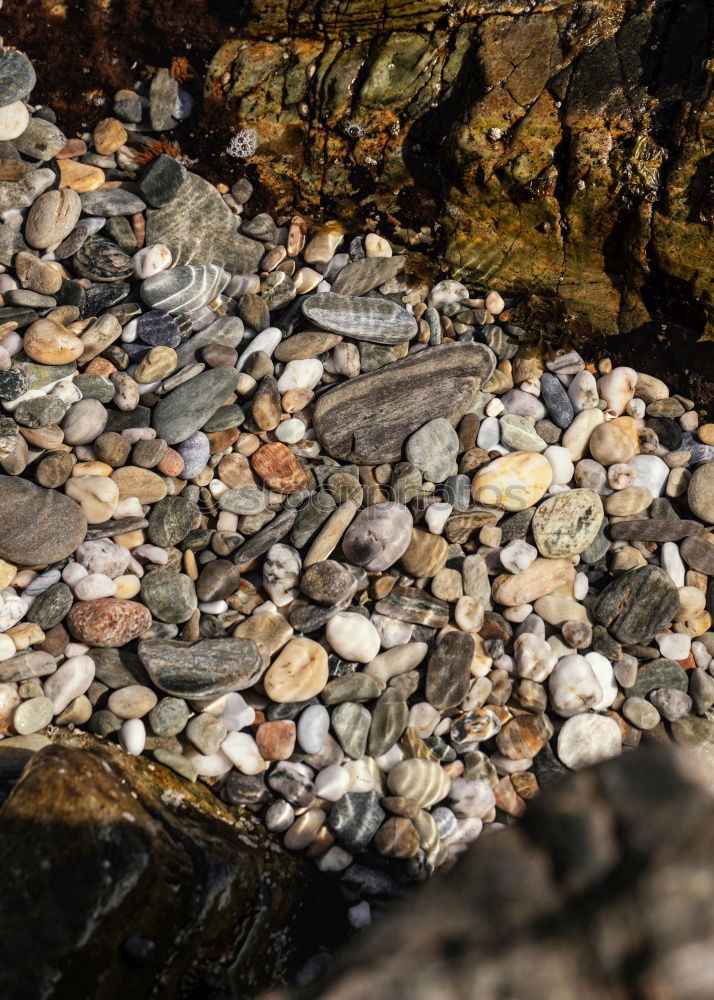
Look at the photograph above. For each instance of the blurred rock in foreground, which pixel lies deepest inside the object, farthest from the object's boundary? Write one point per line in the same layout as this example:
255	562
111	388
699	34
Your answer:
119	879
606	889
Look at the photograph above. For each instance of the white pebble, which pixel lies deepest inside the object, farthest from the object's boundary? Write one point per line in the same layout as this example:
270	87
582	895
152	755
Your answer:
69	681
312	728
300	375
267	340
573	686
517	555
14	119
437	514
242	750
353	637
94	586
332	782
560	462
132	736
151	260
672	563
650	472
290	431
602	668
673	646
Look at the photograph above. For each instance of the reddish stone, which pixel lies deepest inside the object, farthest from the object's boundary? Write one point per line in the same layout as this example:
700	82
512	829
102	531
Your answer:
100	366
279	468
507	799
171	464
276	740
107	622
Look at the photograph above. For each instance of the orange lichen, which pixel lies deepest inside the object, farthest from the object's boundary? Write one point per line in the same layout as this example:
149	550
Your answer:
179	69
154	148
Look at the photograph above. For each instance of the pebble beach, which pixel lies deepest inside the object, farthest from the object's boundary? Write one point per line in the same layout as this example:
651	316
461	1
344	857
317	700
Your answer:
351	547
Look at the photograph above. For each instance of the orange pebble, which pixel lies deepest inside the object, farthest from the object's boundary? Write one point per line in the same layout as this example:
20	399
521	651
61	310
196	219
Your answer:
100	366
171	464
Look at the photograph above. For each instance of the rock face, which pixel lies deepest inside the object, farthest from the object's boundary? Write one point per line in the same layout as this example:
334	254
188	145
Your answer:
557	902
121	871
558	148
530	134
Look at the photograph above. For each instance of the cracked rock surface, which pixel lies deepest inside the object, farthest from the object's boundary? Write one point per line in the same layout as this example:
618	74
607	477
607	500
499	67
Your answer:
562	149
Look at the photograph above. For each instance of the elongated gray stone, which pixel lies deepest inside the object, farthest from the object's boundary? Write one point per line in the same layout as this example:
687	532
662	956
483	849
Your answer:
350	723
448	672
389	720
361	276
198	227
367	418
107	202
226	330
23	193
185	410
378	321
41	140
183	289
638	604
202	669
655	530
30	663
261	541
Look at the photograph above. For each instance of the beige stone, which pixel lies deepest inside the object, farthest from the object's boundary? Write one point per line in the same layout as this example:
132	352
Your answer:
96	495
512	482
542	577
298	673
49	343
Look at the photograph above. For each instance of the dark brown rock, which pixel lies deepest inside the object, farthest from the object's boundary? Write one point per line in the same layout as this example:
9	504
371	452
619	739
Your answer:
638	604
367	419
113	863
655	530
448	672
698	553
527	906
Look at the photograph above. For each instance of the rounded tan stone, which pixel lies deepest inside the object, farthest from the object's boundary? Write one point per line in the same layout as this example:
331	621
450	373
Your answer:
706	433
631	500
298	673
425	555
543	577
143	484
157	364
610	445
512	482
52	217
109	136
48	343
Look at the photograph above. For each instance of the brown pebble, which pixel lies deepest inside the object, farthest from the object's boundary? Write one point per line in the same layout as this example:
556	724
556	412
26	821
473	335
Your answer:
109	136
276	740
397	838
279	468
